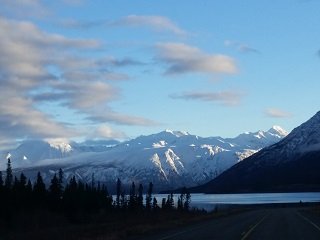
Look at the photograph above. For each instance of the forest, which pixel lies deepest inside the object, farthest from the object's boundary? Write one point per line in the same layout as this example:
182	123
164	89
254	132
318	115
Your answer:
68	207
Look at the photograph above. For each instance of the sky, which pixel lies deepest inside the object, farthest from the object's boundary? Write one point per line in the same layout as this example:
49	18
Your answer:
118	69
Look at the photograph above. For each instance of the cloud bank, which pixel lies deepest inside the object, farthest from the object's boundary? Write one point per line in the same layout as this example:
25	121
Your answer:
37	67
228	98
241	47
181	58
277	113
158	23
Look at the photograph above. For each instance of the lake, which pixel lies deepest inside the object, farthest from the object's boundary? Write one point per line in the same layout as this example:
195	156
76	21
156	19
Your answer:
210	201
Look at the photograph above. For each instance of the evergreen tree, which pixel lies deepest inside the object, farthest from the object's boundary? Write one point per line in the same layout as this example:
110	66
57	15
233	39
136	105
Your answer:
140	196
60	179
2	196
93	182
55	188
1	180
118	193
9	177
132	197
123	200
23	181
155	204
187	201
15	186
149	196
180	203
28	193
29	186
181	199
170	202
163	204
39	188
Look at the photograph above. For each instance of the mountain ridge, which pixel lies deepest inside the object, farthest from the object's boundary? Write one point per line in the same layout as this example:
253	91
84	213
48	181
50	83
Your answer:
290	165
169	158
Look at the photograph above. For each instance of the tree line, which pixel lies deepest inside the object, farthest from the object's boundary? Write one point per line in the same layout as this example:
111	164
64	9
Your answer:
78	200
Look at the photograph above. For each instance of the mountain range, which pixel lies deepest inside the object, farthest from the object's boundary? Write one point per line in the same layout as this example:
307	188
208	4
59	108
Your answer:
292	164
169	159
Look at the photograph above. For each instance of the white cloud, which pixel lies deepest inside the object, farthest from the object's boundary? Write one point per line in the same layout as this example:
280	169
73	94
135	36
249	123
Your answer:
36	66
23	8
228	98
122	119
182	58
277	113
106	132
159	23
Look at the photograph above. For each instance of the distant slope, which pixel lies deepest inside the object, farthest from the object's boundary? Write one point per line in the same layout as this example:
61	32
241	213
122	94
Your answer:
293	164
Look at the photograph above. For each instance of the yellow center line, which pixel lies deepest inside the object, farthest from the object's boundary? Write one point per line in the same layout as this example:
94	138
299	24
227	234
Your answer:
309	221
252	228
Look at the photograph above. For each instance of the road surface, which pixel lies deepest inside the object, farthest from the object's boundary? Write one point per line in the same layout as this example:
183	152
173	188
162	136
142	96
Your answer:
268	223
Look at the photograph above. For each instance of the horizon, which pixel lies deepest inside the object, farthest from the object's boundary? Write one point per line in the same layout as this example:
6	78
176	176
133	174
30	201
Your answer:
81	70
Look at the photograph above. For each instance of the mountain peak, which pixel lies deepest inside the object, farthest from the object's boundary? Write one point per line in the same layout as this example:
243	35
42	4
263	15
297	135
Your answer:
292	164
278	131
177	133
306	137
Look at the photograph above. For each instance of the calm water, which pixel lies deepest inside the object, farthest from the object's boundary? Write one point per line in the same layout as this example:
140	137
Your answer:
209	201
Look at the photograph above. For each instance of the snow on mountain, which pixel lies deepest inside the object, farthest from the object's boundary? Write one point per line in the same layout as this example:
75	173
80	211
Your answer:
264	138
303	139
169	159
291	165
30	152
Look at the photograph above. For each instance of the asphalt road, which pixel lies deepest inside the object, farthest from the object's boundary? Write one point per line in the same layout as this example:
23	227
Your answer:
268	223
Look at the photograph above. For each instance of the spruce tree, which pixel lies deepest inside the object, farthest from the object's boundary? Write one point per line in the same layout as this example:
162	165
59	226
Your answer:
187	201
1	180
149	196
9	176
54	188
60	178
23	181
154	204
180	202
16	184
118	193
163	204
39	188
29	186
132	197
140	196
93	182
170	202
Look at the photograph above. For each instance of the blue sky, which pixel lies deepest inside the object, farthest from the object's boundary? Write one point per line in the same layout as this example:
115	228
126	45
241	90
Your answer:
80	69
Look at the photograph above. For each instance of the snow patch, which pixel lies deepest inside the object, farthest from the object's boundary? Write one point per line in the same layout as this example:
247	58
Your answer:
159	144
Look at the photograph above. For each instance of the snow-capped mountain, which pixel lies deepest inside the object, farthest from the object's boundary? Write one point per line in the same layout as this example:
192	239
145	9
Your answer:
31	152
292	164
169	159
